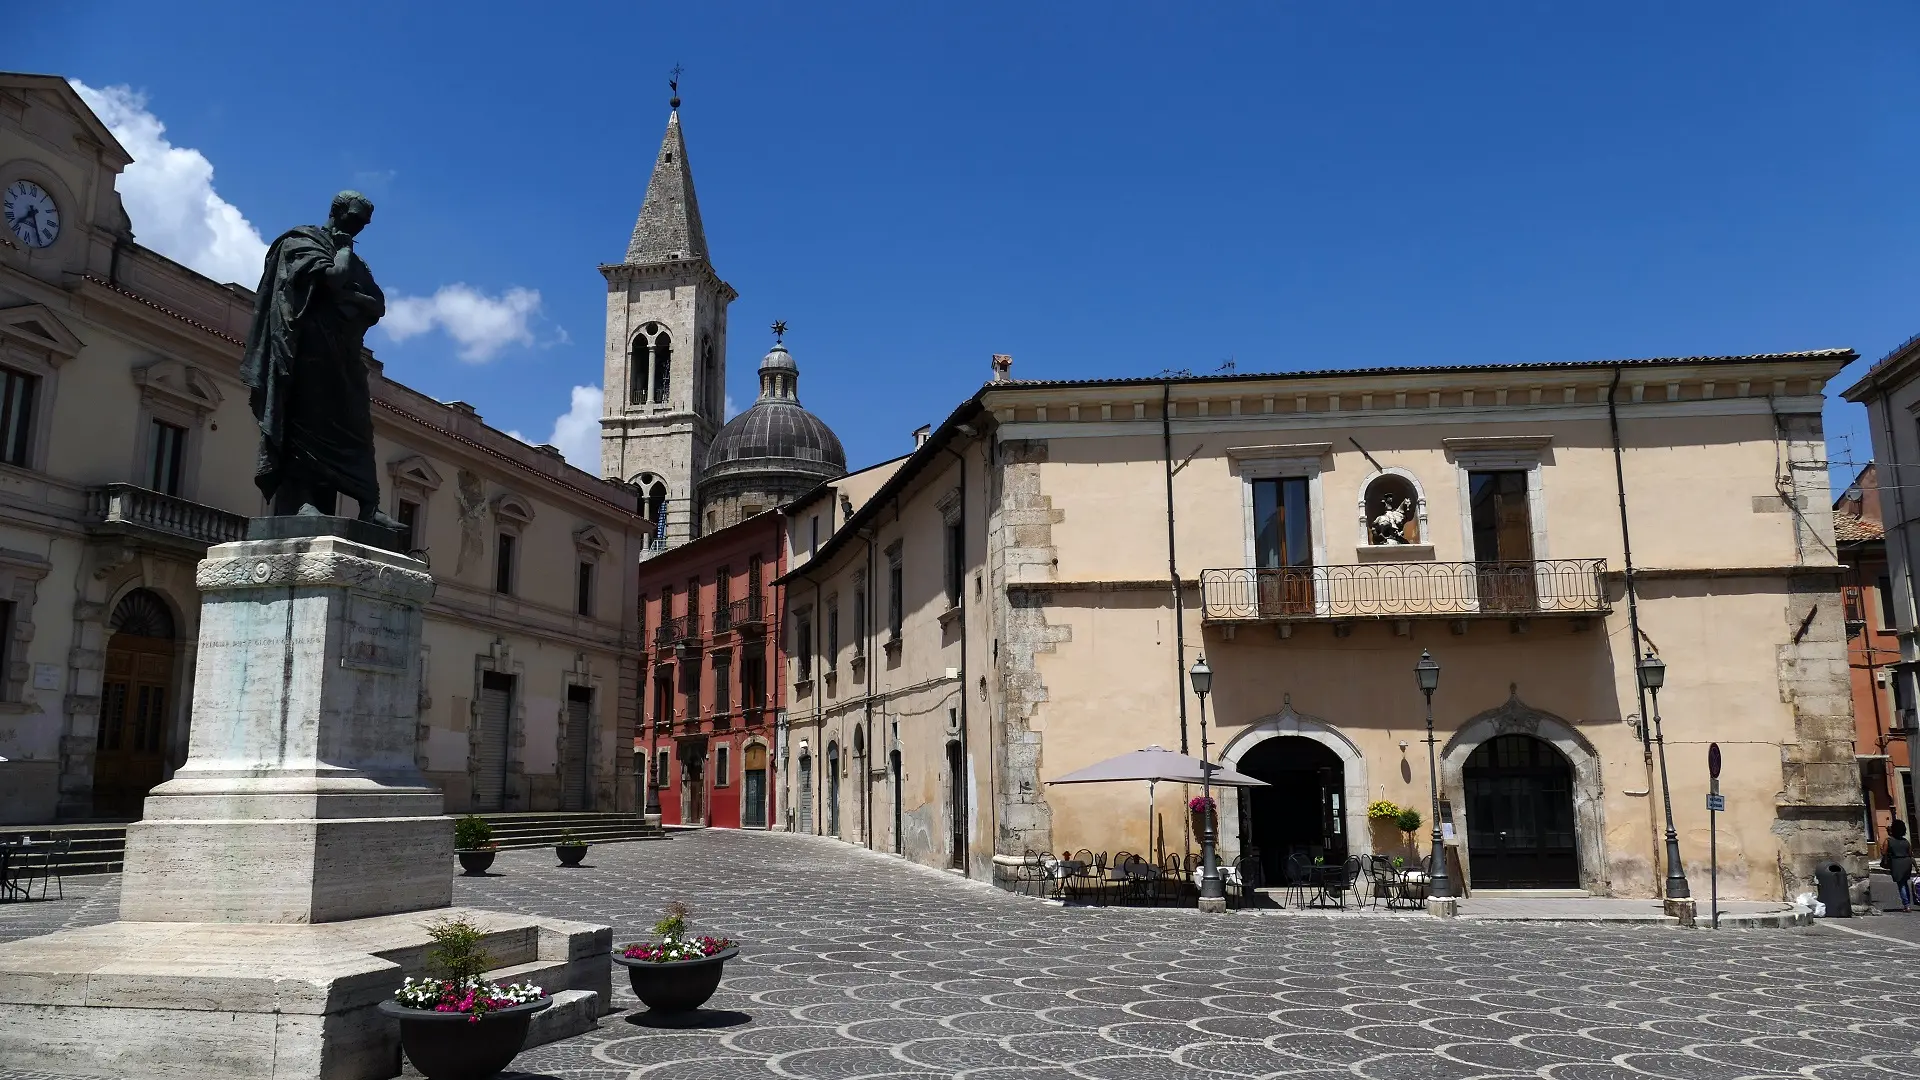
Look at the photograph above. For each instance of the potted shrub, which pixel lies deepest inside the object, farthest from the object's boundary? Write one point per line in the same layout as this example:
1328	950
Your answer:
1408	822
676	972
570	848
473	842
454	1025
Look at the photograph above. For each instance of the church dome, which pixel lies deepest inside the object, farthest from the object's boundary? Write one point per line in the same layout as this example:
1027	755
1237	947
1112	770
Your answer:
776	434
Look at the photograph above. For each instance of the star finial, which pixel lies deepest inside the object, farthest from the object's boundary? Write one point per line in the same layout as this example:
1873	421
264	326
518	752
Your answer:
673	85
779	330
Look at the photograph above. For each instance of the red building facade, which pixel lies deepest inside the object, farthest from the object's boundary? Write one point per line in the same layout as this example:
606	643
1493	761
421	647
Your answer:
711	690
1883	709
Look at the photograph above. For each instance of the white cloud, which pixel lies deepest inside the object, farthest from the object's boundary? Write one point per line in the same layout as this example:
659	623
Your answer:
168	192
732	409
577	431
481	324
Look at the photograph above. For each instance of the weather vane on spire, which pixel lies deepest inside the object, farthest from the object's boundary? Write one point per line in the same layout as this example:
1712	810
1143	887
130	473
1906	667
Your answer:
779	330
673	84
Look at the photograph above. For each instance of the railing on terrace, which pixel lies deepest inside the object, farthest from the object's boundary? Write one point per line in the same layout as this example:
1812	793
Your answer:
1406	590
127	504
674	631
742	614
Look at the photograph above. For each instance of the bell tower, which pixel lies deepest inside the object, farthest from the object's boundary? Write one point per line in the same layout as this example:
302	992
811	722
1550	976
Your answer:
666	359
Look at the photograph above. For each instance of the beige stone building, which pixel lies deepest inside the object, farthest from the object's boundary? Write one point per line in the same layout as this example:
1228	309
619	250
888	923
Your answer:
1007	613
127	447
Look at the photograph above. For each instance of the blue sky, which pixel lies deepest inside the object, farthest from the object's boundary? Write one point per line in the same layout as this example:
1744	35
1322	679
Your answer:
1098	190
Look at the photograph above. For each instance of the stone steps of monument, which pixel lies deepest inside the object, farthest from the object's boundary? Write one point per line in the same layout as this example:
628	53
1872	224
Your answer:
96	849
533	830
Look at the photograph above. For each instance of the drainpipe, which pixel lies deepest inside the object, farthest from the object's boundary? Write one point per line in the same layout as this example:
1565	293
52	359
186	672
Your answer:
966	758
1633	616
1173	564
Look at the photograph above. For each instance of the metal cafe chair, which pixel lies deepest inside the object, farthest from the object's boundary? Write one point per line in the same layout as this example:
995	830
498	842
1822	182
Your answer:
55	857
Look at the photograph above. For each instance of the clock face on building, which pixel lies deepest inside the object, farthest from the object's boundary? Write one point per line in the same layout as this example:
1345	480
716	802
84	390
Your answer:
30	213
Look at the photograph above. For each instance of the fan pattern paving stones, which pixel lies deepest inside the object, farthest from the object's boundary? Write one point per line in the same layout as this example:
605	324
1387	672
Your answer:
856	965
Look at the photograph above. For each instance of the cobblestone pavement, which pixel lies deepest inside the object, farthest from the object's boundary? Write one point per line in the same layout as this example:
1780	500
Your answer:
856	965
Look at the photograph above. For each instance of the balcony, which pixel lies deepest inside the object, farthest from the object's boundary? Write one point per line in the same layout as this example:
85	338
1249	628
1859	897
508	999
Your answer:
1413	590
744	615
683	631
135	511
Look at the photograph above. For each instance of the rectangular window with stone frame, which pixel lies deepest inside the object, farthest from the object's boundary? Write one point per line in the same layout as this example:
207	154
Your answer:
753	677
407	513
503	564
168	456
859	615
803	645
16	416
832	654
896	594
954	555
722	683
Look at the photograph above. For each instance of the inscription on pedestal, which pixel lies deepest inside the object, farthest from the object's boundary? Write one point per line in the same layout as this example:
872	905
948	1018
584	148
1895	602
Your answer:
379	634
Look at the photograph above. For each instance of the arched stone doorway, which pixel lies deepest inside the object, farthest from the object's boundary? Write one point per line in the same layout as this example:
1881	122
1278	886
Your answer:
1517	778
1290	728
1303	809
136	701
1520	831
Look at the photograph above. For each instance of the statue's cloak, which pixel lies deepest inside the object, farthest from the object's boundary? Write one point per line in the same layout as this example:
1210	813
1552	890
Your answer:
308	376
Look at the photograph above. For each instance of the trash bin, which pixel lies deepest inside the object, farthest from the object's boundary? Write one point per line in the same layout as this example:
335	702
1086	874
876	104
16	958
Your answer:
1831	880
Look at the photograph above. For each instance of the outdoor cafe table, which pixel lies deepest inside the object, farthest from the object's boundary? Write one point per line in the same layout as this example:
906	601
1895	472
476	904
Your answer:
8	849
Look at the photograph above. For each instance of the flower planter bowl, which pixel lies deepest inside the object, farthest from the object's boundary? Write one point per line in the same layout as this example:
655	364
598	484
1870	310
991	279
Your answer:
455	1046
476	860
677	985
570	854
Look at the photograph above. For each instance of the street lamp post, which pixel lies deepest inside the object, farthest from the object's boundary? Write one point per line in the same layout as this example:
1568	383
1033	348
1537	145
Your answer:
1653	675
1213	894
1427	674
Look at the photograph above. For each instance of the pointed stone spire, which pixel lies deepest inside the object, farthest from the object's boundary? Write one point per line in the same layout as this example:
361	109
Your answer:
669	227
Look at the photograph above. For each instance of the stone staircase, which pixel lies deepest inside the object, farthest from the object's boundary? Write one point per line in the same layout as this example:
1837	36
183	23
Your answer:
100	847
543	828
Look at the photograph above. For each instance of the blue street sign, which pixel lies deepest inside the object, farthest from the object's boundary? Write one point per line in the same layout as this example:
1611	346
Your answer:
1716	801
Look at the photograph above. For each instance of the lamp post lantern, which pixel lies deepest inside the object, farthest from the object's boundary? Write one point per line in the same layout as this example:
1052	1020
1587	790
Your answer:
1653	675
1427	674
1213	893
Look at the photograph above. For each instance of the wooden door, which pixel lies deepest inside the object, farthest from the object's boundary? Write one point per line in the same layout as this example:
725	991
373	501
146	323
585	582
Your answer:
753	776
1283	546
1503	541
136	699
1520	822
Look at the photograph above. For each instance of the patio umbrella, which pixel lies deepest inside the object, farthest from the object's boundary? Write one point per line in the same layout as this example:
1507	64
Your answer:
1154	765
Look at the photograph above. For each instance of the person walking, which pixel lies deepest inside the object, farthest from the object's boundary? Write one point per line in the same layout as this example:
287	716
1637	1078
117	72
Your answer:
1898	861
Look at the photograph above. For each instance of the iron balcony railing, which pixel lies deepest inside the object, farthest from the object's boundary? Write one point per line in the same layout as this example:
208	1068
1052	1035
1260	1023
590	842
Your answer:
674	631
739	614
1406	590
126	504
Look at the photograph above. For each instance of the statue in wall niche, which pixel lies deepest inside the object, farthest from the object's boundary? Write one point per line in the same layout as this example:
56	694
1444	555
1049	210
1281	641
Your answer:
304	364
1390	525
471	497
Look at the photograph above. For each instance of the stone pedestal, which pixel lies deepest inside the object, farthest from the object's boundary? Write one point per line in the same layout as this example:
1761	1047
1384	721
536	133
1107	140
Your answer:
299	801
1443	907
1683	909
282	882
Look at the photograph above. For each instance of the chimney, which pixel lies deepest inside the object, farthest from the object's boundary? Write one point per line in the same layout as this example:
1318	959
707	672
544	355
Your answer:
1002	367
920	435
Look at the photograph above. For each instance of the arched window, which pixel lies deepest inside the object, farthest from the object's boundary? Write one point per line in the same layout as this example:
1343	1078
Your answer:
710	375
651	365
1392	510
653	502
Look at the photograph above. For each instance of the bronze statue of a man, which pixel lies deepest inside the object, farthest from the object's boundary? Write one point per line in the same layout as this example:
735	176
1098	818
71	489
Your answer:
316	302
